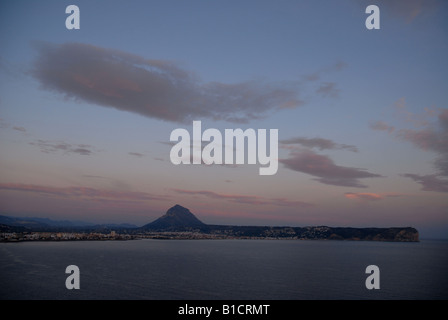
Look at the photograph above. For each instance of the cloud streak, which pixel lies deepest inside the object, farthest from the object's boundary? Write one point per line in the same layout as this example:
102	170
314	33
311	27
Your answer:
136	154
328	89
325	169
431	138
86	193
382	126
48	146
315	76
369	196
153	88
252	200
319	143
21	129
430	182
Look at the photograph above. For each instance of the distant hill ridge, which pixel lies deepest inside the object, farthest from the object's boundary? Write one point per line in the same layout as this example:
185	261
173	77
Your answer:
44	224
179	218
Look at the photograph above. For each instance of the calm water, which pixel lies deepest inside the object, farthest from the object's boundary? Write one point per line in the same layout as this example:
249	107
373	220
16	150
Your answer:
224	269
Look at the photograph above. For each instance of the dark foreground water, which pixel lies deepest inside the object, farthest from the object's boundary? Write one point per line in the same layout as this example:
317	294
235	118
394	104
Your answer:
224	269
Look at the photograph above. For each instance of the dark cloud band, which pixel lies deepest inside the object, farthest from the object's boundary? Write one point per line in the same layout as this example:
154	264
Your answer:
326	170
153	88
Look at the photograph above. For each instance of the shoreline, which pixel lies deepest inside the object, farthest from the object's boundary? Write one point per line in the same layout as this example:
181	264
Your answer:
57	237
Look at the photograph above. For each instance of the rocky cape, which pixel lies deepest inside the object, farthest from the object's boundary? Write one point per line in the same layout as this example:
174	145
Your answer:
179	223
180	220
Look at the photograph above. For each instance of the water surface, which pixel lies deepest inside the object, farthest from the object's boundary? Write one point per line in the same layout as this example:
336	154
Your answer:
224	269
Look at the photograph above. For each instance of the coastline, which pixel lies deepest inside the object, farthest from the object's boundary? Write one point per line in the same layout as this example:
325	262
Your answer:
170	235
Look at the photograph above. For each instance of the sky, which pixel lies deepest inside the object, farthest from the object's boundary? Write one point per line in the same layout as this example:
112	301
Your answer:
362	117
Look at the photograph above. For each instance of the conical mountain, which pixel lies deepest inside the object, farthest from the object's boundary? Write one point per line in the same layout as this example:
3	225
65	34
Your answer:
176	217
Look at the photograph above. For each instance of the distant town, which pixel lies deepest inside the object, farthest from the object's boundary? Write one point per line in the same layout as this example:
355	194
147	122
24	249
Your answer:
228	232
96	236
161	235
61	236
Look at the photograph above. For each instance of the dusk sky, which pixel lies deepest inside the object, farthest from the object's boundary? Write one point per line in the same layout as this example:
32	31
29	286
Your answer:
362	115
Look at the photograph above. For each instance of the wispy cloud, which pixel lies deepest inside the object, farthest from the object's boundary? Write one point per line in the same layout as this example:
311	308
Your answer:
369	196
245	199
325	169
432	137
81	192
328	89
319	143
21	129
6	125
48	146
91	176
136	154
3	123
430	182
427	135
363	196
315	76
154	88
382	126
417	120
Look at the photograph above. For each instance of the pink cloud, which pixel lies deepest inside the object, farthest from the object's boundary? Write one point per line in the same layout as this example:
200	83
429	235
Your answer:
363	196
369	196
427	139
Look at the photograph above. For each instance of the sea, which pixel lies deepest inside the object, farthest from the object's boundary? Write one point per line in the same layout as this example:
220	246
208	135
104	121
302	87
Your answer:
224	270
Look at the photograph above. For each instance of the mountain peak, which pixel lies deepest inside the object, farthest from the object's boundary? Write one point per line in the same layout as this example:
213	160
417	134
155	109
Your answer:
176	217
177	207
